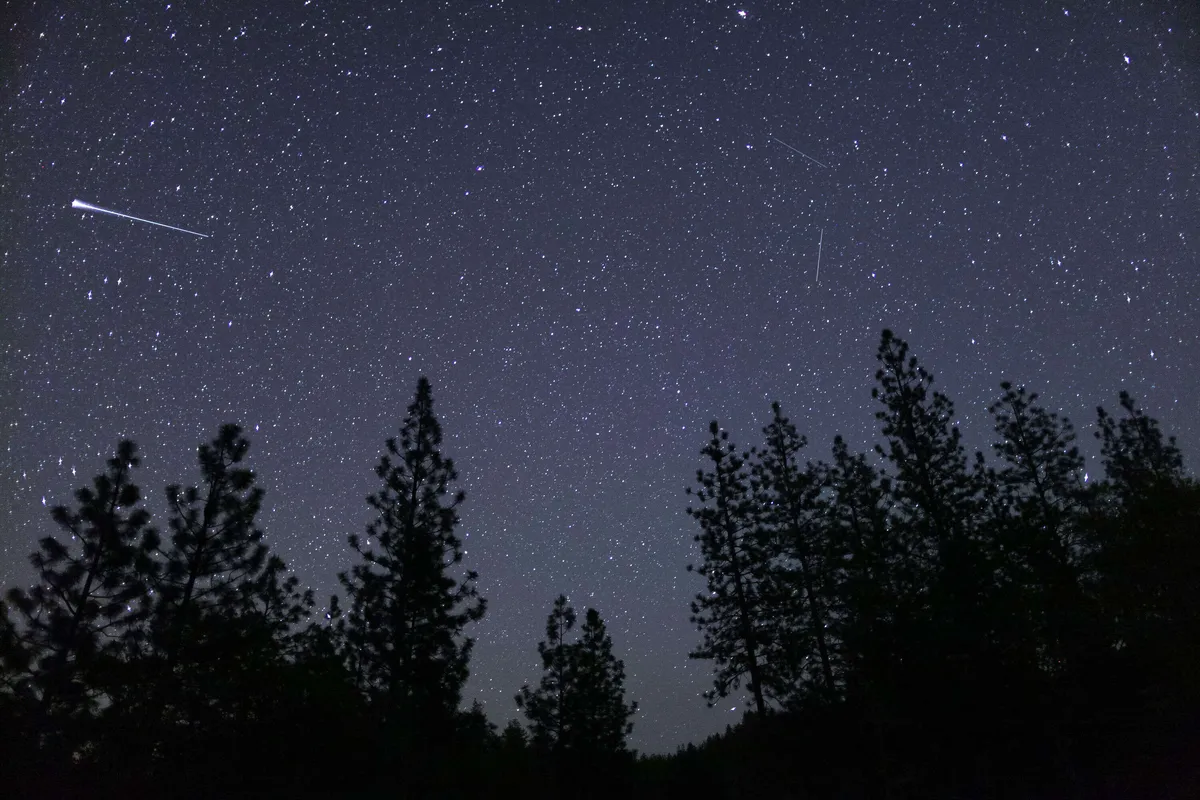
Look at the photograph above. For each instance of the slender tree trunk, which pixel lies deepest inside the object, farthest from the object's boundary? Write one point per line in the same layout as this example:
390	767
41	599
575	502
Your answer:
747	623
818	619
60	659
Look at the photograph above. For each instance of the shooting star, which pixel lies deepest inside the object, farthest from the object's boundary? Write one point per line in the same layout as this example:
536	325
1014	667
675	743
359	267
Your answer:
98	209
819	243
801	152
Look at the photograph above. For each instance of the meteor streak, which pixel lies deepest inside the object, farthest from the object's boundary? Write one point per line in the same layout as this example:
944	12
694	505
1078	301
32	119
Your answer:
98	209
820	242
801	152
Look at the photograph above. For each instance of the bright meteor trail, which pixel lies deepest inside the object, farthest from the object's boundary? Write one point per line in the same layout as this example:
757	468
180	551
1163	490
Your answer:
98	209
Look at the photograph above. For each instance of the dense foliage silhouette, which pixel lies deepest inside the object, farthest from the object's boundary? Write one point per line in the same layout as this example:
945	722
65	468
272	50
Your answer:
913	622
578	717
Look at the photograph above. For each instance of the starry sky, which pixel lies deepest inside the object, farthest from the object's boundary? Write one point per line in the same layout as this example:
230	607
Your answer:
596	227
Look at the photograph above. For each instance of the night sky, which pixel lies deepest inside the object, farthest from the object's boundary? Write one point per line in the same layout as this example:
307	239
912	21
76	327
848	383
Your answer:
595	227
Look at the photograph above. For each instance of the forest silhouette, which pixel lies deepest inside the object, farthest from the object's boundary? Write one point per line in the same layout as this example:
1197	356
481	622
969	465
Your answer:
917	622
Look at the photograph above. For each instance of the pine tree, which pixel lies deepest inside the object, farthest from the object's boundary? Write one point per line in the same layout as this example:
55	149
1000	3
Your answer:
88	600
954	616
1144	545
787	493
932	485
875	603
1041	490
216	551
579	705
600	716
513	738
324	685
577	715
407	612
320	702
1043	468
546	707
937	501
271	607
261	642
871	590
17	705
734	613
1137	459
209	668
213	560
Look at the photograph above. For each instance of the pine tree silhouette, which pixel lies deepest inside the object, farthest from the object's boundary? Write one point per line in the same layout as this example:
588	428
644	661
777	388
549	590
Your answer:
932	486
206	667
404	631
577	714
600	715
870	612
546	707
579	705
216	550
938	501
786	494
872	615
733	613
1042	495
1137	458
80	616
1144	547
957	646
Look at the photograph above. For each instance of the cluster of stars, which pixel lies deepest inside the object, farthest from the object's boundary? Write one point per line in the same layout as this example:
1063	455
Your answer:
577	225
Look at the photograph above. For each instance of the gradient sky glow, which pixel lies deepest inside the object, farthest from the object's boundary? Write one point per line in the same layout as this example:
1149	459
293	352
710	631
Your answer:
578	220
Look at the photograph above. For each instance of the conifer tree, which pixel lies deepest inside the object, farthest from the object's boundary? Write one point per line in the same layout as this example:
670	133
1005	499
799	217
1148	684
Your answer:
513	738
932	485
937	501
601	717
212	566
954	632
87	602
1043	468
322	704
871	604
18	729
1144	537
787	493
578	710
734	613
1041	490
546	706
271	606
89	597
321	643
261	642
210	665
512	762
216	552
1137	458
407	611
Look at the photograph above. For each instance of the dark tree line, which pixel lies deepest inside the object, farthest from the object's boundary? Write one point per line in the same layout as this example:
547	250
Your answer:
914	622
191	663
965	625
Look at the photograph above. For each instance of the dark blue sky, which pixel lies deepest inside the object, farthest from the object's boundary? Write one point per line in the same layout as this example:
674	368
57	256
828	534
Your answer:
575	218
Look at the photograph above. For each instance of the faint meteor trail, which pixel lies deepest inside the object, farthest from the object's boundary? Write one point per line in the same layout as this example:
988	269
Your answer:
98	209
801	152
819	243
